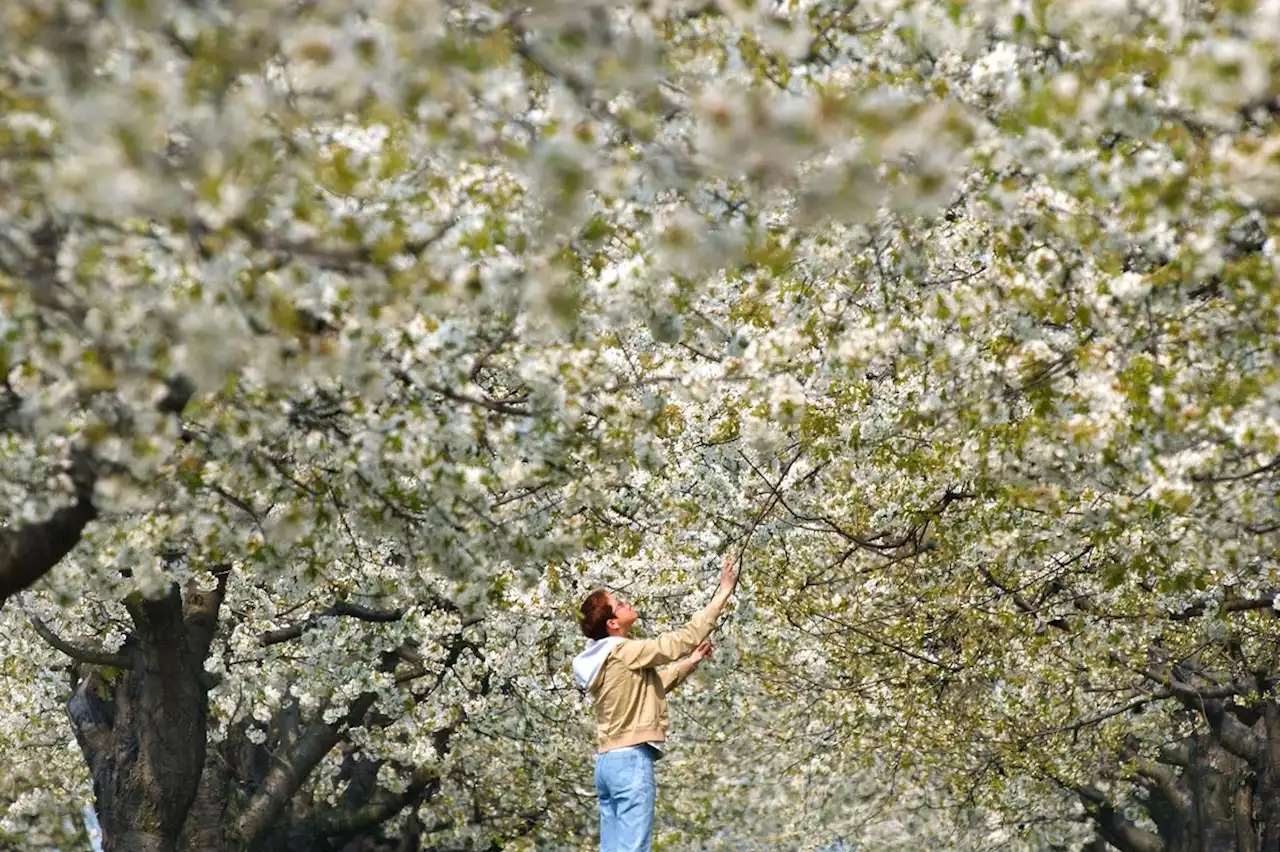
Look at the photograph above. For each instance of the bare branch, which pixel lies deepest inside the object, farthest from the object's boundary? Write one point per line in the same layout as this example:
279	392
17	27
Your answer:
482	359
1175	754
290	771
423	784
1165	778
340	608
30	551
1117	831
94	656
1018	598
1097	718
342	257
491	404
1265	601
1274	464
200	612
1195	693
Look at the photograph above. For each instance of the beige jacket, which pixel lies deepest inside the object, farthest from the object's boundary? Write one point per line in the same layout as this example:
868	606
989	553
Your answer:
630	691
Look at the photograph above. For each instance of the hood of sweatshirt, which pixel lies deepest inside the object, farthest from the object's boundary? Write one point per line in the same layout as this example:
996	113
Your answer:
587	664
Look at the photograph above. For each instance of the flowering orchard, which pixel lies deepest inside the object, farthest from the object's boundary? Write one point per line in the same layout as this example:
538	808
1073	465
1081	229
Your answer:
345	345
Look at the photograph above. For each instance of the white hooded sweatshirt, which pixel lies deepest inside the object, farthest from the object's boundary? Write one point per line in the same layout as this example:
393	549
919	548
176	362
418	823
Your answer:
587	664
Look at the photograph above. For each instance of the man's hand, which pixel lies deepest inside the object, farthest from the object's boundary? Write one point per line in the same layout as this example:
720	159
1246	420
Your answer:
700	653
728	580
728	574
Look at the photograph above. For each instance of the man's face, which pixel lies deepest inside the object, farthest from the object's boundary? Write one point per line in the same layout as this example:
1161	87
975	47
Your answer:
624	615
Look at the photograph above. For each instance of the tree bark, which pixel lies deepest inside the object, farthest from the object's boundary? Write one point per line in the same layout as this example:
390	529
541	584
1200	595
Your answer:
1212	776
144	735
29	552
1269	778
204	829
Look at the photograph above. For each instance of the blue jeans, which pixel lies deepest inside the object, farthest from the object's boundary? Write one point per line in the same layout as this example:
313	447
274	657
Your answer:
625	785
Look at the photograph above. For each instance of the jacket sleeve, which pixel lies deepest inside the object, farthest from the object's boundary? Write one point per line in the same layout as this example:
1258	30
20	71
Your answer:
673	675
650	653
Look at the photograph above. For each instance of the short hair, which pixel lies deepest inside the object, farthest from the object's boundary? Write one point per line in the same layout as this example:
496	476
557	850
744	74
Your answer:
596	612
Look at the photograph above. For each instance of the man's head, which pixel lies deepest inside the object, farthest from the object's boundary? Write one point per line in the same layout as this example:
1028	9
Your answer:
605	614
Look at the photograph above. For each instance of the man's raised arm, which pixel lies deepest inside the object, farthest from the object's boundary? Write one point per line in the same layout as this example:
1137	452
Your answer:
670	647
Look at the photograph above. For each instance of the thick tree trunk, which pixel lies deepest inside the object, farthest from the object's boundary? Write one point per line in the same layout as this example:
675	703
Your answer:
1246	833
139	841
1212	777
144	735
204	830
1269	779
1199	795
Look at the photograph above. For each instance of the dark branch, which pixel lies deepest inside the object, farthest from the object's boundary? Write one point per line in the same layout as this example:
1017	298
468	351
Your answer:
423	784
1176	754
200	612
1274	464
340	608
92	713
1266	601
1163	777
94	656
1117	831
491	404
1018	598
1195	693
30	551
290	771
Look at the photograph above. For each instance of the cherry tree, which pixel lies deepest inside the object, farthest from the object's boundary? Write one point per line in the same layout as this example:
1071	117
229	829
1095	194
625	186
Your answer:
329	328
1008	467
347	344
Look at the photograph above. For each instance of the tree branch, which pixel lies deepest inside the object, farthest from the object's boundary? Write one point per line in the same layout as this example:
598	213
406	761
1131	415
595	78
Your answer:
30	551
1264	601
1169	782
1274	464
200	612
1117	831
94	656
340	608
1018	598
423	784
491	404
289	772
92	712
1193	693
1175	754
1235	736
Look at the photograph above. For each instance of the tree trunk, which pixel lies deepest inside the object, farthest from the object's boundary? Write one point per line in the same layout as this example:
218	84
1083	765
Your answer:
143	735
204	830
1213	777
1269	779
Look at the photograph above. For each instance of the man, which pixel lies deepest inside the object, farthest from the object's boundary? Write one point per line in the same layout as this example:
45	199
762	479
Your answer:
630	692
